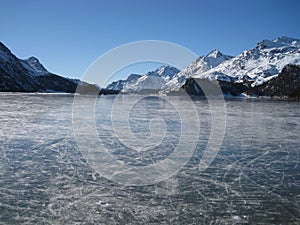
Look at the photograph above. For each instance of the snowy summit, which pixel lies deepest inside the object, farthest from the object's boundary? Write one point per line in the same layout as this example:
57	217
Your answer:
153	81
257	65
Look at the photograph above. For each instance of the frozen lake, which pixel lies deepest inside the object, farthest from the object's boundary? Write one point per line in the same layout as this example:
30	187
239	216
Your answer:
46	179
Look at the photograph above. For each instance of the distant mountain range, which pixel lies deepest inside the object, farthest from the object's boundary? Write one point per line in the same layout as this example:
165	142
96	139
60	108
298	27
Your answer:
252	67
247	72
152	81
271	68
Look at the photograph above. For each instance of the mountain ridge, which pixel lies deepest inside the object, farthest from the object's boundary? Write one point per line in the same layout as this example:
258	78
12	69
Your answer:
152	81
252	67
33	65
29	75
253	71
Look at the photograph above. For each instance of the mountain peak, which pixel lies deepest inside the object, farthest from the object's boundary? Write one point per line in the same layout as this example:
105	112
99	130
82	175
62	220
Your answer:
18	75
153	80
32	60
284	40
278	42
133	76
214	58
35	66
166	71
215	54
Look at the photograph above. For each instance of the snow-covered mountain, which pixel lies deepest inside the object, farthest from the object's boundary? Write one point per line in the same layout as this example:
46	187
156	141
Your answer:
255	66
260	64
152	81
250	72
199	66
146	83
14	76
286	84
29	75
166	72
34	66
119	85
205	63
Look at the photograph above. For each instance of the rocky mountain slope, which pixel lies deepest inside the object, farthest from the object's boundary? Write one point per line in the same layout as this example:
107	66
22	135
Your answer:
287	84
34	67
29	75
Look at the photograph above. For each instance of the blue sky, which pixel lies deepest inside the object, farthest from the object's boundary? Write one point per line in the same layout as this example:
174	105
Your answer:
67	36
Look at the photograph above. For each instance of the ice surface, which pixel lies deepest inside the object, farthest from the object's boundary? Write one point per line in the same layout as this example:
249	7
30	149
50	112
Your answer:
45	179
